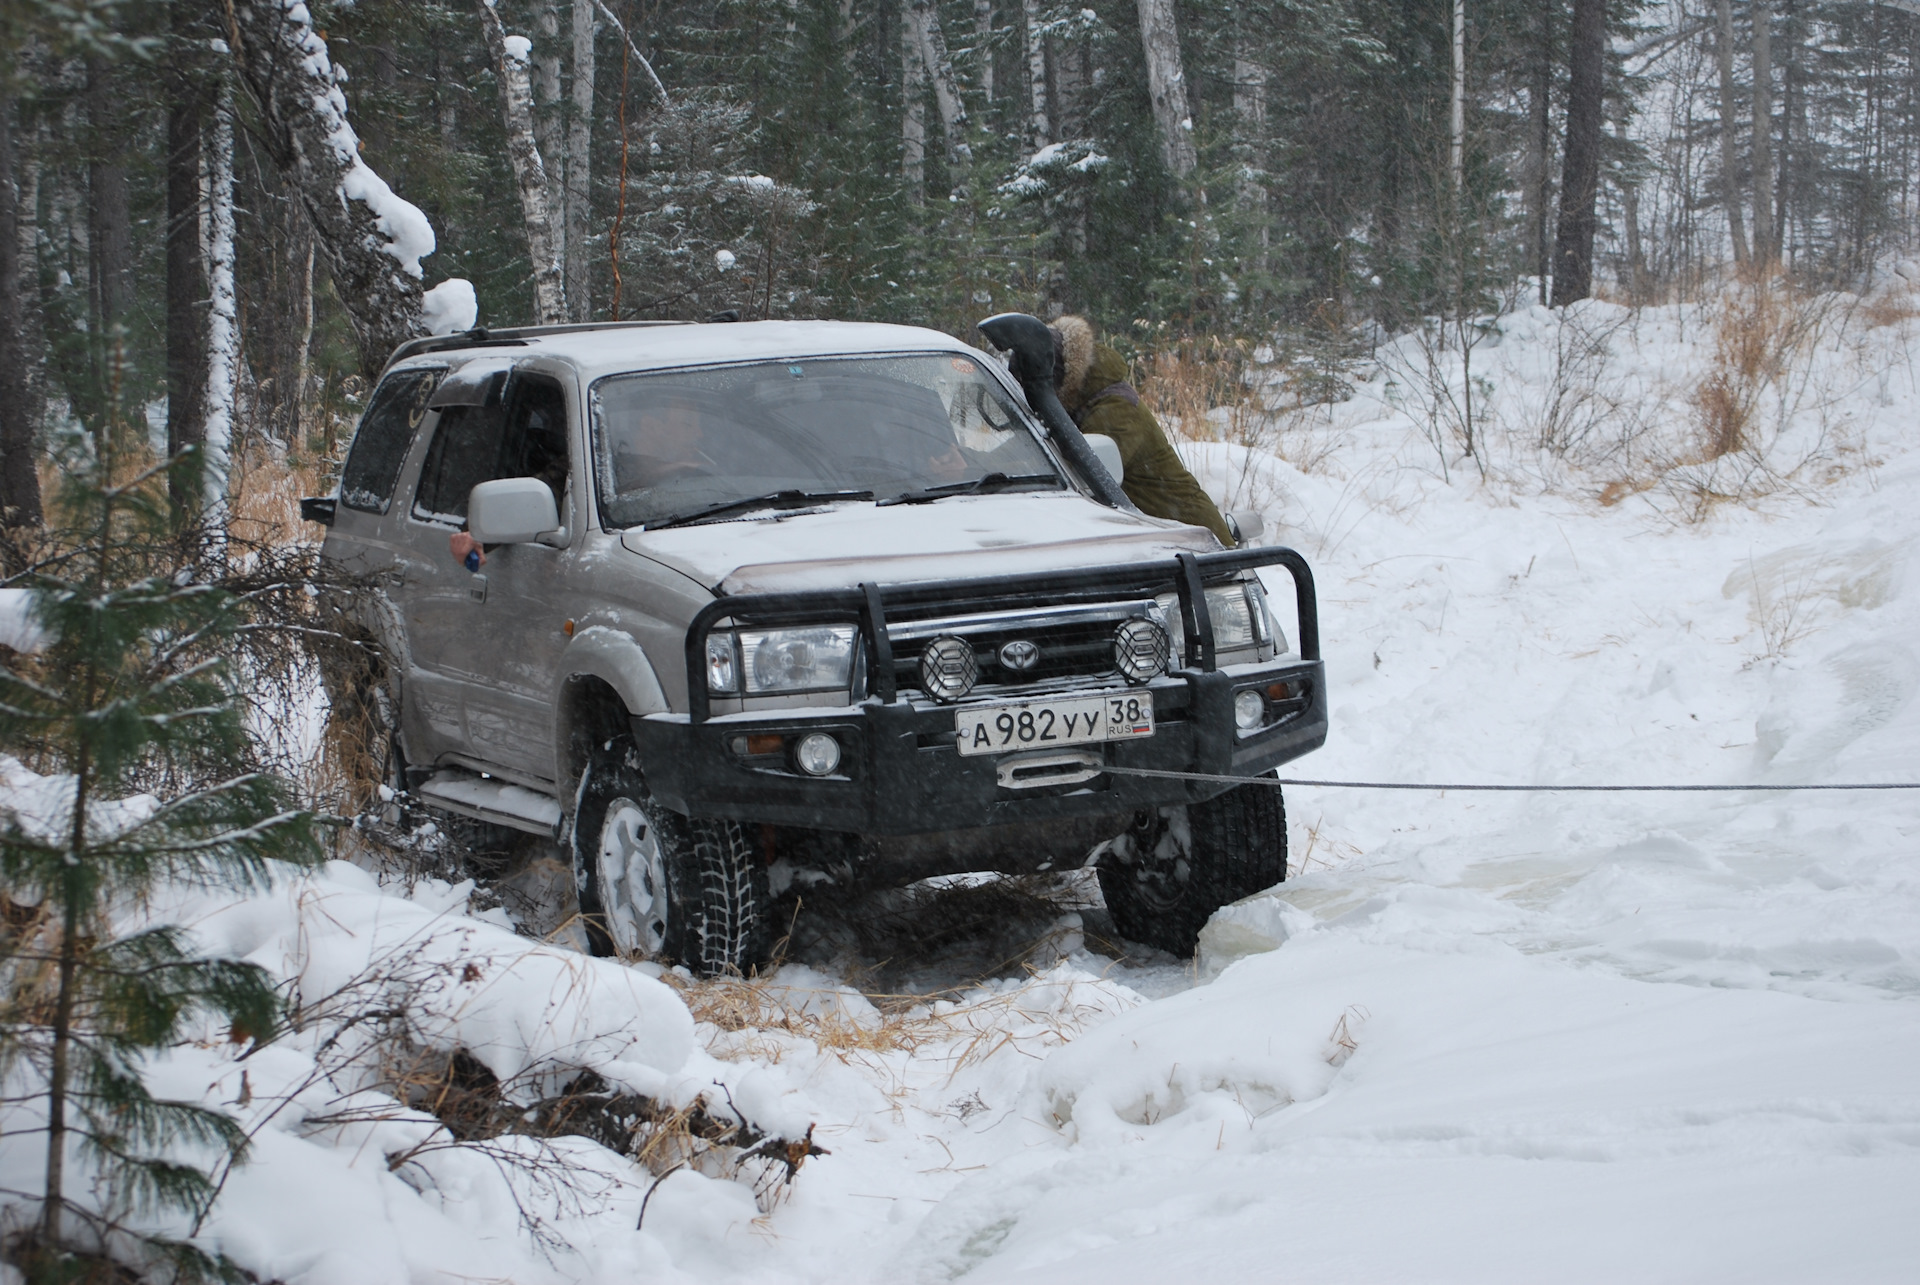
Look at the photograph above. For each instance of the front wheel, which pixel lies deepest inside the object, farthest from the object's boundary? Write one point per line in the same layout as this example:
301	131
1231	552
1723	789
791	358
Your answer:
1165	877
654	884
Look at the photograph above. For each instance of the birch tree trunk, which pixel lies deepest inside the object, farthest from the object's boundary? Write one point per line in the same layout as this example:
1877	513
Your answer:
1457	118
983	46
1729	128
1250	132
1580	179
223	335
547	116
1765	248
510	62
1167	85
1040	125
579	207
913	111
19	483
932	41
373	240
1540	148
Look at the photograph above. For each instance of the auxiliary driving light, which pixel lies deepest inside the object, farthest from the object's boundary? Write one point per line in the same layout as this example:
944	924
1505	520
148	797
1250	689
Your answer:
817	753
948	668
1249	711
1140	650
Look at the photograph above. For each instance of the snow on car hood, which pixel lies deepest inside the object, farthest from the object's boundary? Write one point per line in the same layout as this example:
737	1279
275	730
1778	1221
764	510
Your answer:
967	535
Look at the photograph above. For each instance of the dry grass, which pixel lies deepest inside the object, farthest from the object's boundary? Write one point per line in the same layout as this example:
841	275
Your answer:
759	1019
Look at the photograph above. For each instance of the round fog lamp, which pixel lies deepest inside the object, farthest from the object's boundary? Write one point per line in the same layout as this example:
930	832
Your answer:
1140	650
1249	711
948	668
817	754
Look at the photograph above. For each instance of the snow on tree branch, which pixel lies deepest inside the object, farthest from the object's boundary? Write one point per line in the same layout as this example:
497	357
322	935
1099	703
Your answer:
373	239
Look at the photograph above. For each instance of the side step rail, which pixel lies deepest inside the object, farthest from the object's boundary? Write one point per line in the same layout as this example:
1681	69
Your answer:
468	794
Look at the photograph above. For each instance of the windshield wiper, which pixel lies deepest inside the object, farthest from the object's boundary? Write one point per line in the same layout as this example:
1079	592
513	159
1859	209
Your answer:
978	486
788	499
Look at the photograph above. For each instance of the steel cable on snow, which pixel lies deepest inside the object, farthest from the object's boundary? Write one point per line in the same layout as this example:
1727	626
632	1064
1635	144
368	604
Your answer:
1211	777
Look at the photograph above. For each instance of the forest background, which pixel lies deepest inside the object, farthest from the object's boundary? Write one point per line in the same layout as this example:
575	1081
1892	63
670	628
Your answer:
1293	177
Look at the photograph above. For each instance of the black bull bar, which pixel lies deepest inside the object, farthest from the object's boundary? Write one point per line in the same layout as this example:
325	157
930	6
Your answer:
868	604
902	774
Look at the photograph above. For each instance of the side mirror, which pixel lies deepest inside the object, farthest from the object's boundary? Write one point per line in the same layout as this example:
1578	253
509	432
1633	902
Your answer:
511	510
1108	452
1247	524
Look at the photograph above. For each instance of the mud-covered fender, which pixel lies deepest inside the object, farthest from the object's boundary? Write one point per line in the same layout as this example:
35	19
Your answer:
613	657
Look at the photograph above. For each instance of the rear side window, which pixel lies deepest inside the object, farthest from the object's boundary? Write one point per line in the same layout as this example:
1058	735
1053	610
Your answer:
386	434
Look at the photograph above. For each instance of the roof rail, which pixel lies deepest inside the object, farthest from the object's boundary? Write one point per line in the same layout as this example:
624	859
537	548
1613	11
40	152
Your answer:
511	336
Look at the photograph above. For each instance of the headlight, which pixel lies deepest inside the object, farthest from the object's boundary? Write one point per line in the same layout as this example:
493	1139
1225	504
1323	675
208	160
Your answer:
797	660
1232	618
722	671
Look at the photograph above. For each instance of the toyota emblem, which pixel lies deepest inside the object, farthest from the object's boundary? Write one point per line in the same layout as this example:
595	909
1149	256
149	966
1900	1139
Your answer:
1019	655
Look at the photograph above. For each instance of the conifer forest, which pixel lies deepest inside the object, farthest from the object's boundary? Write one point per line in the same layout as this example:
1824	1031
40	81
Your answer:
1311	172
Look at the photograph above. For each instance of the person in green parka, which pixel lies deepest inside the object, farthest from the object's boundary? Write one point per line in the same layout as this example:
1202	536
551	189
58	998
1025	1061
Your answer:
1091	379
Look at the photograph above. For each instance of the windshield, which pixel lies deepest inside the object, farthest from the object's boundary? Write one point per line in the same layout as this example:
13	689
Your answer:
671	444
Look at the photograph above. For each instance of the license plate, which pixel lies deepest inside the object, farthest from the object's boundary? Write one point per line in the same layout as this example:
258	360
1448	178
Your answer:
1041	724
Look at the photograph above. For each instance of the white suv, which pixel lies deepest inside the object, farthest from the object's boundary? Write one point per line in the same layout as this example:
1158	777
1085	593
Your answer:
792	601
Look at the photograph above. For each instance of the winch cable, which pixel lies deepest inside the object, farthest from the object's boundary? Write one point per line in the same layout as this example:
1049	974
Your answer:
1213	778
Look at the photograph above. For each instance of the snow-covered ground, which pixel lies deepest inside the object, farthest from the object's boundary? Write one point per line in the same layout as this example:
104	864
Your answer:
1566	1037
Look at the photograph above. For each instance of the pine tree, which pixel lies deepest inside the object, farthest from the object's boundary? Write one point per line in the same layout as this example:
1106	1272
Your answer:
131	689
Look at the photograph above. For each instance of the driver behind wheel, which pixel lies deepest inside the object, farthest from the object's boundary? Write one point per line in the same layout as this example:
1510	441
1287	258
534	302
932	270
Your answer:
669	439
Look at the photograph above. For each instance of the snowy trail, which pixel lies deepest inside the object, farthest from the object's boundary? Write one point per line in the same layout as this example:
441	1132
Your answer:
1475	1037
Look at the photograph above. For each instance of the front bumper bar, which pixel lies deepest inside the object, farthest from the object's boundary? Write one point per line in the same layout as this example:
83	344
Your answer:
900	772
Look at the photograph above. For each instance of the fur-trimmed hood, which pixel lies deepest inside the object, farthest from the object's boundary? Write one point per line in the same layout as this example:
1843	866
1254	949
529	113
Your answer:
1072	354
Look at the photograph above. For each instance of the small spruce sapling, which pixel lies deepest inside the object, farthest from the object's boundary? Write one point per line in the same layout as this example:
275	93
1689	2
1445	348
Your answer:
133	686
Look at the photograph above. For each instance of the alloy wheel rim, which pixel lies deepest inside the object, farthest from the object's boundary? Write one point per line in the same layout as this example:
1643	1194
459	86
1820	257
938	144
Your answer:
633	875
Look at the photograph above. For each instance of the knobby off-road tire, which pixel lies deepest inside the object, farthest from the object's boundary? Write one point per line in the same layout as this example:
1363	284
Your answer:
1165	877
656	884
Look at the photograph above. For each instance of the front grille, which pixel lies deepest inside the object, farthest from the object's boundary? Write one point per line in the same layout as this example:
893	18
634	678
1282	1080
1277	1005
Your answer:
1070	642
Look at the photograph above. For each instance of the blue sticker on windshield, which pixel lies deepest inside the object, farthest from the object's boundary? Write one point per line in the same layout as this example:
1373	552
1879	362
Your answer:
795	371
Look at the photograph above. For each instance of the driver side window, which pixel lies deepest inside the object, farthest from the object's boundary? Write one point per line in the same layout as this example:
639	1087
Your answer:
522	434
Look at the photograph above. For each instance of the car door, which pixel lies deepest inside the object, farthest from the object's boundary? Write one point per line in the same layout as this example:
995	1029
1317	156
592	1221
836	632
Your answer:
439	599
522	613
367	542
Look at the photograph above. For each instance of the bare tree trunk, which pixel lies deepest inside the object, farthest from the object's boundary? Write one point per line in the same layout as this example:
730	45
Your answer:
1580	179
1457	117
1540	161
913	110
372	239
516	109
925	20
579	205
186	272
110	220
1729	128
1636	250
983	45
1040	126
1793	138
547	116
19	483
1167	85
1250	131
223	332
1765	246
